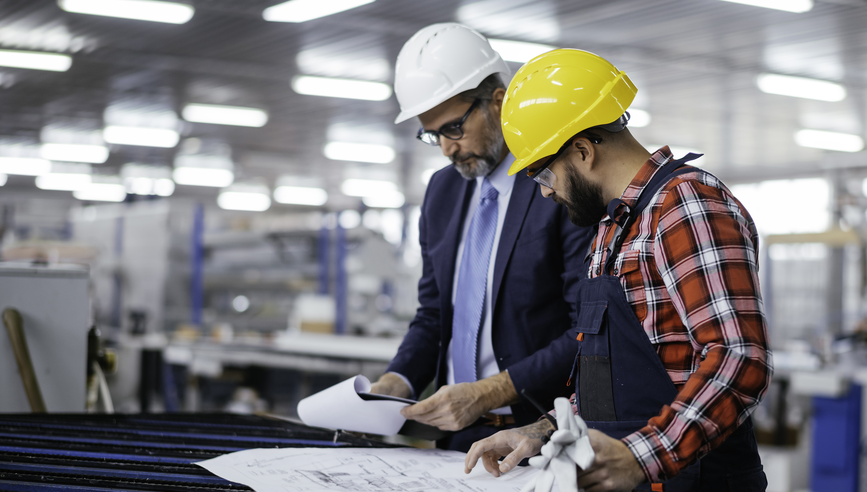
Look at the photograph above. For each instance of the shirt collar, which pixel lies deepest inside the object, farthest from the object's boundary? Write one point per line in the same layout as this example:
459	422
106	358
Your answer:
499	177
630	196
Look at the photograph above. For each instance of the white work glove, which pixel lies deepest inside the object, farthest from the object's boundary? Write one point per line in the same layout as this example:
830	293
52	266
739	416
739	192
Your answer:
569	446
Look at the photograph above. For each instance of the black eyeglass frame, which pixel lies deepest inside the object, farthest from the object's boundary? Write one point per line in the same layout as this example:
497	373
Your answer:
435	134
534	173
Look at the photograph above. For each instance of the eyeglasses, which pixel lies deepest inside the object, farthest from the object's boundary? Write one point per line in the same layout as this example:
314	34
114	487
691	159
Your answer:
452	131
545	176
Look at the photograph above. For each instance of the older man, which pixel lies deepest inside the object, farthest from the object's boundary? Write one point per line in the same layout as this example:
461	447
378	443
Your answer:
500	264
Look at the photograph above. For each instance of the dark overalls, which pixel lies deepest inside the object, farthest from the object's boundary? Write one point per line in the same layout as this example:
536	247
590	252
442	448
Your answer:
621	382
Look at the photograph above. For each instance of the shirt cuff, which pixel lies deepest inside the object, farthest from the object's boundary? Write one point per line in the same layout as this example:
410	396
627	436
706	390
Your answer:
650	453
405	380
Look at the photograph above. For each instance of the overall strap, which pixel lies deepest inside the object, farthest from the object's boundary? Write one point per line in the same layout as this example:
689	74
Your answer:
666	173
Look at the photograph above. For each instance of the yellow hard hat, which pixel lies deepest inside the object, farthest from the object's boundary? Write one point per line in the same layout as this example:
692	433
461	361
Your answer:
556	95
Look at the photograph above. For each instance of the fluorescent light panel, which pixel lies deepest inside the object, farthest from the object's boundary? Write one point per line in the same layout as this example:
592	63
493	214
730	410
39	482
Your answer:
356	152
101	192
344	88
25	166
305	10
638	118
797	6
149	186
518	51
300	195
394	199
225	115
146	10
203	176
63	181
244	200
145	137
426	175
842	142
52	62
94	154
367	187
785	85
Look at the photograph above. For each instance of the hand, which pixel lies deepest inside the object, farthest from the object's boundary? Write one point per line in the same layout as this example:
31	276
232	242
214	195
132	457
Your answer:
392	385
515	444
451	408
456	406
614	469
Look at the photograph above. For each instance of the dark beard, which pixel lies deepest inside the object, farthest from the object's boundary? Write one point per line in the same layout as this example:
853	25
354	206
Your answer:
583	201
471	166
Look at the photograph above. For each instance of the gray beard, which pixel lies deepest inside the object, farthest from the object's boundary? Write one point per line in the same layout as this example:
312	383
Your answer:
471	166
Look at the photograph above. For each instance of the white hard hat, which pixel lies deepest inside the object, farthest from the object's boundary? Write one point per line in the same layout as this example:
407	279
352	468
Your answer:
441	61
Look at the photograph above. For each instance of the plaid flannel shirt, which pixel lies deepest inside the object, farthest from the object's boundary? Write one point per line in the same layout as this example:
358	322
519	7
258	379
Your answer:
689	267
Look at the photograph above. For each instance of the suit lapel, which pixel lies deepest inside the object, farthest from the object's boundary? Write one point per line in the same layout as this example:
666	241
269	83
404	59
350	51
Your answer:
451	240
519	203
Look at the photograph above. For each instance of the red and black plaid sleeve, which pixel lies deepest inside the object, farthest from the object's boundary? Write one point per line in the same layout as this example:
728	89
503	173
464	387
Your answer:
696	293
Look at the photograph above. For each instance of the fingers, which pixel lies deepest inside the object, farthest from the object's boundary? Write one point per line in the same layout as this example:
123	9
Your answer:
523	450
491	462
476	451
425	406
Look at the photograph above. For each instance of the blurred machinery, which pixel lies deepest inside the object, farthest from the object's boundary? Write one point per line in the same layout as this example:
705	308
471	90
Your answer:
171	278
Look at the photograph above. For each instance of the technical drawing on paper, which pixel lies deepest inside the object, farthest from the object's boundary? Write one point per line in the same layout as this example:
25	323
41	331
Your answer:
359	470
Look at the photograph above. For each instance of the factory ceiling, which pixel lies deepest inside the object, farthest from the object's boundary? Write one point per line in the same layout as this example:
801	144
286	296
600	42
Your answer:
695	63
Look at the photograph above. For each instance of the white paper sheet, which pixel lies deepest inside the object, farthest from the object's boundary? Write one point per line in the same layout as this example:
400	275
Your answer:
340	407
360	470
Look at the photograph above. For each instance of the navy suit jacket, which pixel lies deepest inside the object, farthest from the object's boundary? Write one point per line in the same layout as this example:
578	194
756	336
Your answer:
539	263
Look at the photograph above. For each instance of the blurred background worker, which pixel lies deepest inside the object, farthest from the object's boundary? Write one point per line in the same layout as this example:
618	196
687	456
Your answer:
673	354
500	264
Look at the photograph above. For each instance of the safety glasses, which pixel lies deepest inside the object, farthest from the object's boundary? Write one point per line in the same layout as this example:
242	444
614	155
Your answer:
545	176
452	131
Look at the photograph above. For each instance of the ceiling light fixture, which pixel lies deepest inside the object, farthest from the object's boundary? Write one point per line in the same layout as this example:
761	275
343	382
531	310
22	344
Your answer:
146	10
305	10
250	201
785	85
344	88
63	181
356	152
638	118
144	137
53	62
842	142
203	176
93	154
25	166
225	115
101	192
393	199
300	195
367	187
518	51
797	6
149	186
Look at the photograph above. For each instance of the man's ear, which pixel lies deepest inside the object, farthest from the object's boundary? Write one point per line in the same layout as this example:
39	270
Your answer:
584	153
497	100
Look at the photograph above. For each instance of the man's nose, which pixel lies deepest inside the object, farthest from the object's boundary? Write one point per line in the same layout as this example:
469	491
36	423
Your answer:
449	146
546	192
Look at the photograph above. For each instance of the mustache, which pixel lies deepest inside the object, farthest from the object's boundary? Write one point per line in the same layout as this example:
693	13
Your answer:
558	200
455	158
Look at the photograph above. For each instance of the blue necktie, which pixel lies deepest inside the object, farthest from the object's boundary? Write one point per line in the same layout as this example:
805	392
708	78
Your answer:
472	284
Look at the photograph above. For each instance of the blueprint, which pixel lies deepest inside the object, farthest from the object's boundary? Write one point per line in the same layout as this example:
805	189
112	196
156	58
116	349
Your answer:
360	470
